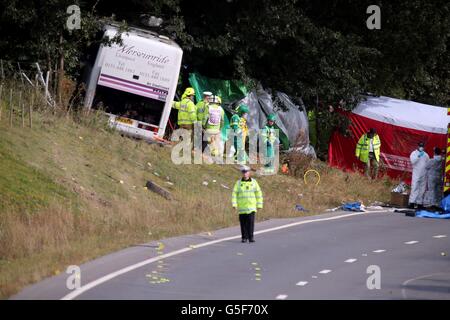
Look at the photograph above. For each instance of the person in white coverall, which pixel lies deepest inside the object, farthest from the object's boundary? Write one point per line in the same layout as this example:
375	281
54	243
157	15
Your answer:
435	180
419	159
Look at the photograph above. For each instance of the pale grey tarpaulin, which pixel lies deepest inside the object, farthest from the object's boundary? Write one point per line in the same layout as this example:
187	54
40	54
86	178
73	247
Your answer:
291	118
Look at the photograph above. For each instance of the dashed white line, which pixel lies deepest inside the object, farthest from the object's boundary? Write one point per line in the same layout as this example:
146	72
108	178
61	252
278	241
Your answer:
440	236
379	251
412	242
281	296
325	271
350	260
302	283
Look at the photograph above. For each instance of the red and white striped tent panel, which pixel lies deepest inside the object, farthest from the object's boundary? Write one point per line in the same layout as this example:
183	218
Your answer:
401	125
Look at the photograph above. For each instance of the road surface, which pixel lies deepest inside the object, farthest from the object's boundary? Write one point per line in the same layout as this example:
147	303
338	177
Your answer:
330	256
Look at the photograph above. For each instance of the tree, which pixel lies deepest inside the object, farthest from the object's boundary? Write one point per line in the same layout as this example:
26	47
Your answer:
41	34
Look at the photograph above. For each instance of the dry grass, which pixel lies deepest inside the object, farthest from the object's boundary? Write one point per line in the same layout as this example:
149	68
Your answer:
76	208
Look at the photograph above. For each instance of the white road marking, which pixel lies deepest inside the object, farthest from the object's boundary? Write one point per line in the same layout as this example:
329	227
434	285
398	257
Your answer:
281	296
302	283
75	293
325	271
350	260
440	236
412	242
314	277
405	284
379	251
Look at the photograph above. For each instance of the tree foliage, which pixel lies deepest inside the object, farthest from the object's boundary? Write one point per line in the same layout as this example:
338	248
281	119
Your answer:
317	50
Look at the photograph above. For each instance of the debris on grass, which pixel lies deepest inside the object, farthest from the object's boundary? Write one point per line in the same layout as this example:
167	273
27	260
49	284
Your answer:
299	207
159	190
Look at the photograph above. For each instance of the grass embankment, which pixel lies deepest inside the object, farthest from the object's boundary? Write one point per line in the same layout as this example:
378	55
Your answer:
71	191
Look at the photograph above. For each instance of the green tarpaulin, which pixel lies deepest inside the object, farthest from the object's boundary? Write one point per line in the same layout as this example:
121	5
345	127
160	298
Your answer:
228	90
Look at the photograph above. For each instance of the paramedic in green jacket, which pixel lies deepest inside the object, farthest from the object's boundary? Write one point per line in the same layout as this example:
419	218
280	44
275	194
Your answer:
368	152
269	139
239	126
247	198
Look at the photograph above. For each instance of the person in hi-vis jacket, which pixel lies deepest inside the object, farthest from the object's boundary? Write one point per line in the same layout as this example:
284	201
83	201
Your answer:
247	198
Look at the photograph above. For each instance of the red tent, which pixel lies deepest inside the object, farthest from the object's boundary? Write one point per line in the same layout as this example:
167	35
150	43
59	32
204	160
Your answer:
400	124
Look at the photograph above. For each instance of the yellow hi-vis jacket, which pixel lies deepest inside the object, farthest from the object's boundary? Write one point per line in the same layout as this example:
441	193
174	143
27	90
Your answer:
201	110
247	196
363	147
187	111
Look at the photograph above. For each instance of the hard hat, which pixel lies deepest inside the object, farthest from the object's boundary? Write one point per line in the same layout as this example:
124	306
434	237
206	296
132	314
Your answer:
271	117
216	100
243	108
189	92
207	93
245	168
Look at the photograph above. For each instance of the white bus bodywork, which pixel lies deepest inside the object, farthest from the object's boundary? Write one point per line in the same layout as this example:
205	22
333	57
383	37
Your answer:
145	69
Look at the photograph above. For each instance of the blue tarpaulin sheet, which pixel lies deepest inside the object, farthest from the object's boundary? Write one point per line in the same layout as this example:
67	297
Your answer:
352	206
429	214
445	204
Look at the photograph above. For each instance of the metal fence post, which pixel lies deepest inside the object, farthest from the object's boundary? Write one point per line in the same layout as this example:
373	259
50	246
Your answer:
10	108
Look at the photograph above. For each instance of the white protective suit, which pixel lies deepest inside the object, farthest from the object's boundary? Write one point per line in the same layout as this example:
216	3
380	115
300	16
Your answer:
418	184
434	182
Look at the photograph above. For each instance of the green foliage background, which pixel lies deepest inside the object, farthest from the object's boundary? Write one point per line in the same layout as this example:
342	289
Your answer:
318	50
